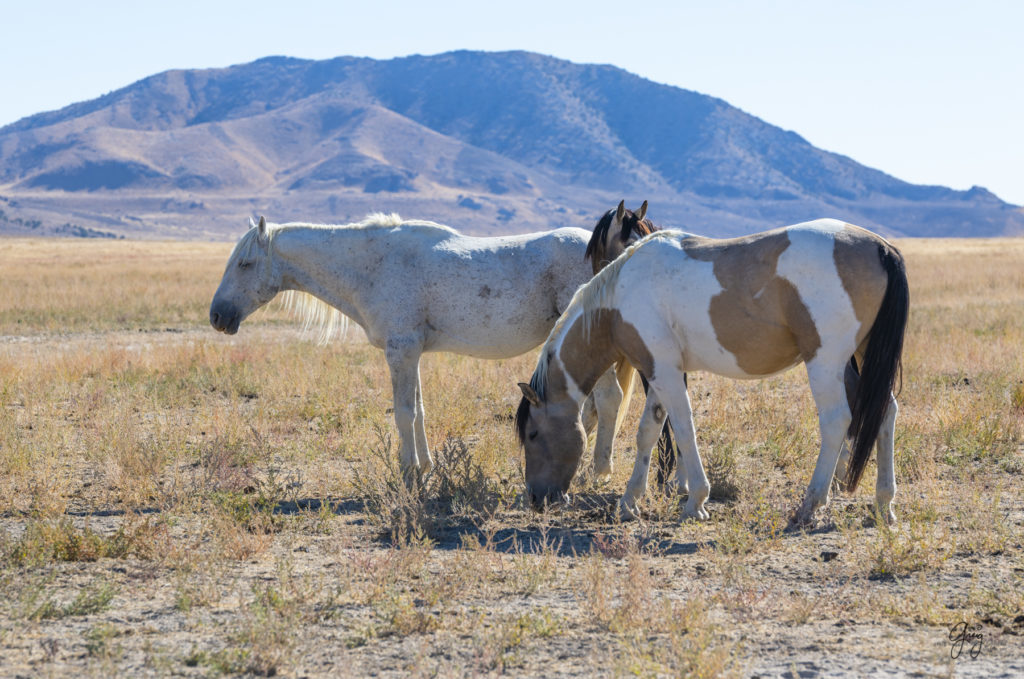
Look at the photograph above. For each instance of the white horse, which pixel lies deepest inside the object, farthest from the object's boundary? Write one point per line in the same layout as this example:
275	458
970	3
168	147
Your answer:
823	293
416	286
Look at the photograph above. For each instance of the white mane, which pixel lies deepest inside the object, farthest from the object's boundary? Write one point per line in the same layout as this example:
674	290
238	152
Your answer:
317	316
375	220
596	294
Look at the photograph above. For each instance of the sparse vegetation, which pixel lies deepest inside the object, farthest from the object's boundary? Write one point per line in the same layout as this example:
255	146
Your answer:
177	502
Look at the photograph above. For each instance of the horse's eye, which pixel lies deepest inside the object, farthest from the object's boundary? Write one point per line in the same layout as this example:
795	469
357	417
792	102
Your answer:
244	265
533	435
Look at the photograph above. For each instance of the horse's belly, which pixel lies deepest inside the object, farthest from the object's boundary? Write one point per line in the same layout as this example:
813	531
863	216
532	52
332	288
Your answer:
488	336
765	350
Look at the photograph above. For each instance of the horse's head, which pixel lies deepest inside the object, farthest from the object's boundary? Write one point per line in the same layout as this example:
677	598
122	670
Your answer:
249	281
615	231
553	438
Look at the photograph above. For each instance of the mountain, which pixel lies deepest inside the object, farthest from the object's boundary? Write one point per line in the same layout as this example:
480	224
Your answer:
485	142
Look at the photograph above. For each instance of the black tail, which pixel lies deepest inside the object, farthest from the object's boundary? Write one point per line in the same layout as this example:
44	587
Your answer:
882	364
666	447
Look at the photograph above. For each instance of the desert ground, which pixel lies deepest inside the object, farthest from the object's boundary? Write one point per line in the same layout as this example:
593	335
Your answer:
178	502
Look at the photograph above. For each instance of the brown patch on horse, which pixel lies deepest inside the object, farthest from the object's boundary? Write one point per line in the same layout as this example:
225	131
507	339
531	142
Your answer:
611	338
857	261
556	383
633	347
759	316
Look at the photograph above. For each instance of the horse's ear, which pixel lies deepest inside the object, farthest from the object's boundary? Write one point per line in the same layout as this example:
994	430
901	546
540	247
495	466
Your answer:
252	224
642	211
529	394
620	211
262	226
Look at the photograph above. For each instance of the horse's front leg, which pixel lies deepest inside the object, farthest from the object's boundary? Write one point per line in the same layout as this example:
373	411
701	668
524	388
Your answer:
607	399
670	390
403	357
426	463
834	422
651	423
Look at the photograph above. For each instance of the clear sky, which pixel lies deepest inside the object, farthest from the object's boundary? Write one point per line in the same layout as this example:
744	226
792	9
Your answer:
929	91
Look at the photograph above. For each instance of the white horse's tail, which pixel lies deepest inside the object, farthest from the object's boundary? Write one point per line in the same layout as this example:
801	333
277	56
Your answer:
317	316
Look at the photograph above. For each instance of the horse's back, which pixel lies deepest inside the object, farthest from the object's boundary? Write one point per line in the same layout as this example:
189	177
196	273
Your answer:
499	296
759	304
554	243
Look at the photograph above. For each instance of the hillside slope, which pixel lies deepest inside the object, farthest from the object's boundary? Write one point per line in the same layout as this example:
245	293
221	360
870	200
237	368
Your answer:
487	142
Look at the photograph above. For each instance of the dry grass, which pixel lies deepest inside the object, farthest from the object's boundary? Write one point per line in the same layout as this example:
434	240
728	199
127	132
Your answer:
174	501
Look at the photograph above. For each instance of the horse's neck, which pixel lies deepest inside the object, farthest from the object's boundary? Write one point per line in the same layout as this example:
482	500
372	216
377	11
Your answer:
586	355
325	264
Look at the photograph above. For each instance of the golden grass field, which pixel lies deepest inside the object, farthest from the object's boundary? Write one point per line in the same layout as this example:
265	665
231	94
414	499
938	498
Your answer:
178	502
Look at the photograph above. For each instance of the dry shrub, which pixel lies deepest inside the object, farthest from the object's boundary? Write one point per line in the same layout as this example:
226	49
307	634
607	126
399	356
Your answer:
456	491
904	549
983	524
263	640
239	542
402	614
917	602
49	540
620	603
500	640
389	570
618	545
655	635
94	598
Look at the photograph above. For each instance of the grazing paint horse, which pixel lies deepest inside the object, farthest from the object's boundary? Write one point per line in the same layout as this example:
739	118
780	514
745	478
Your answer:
415	286
822	293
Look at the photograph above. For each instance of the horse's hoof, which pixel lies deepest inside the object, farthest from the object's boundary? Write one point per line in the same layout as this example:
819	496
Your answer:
413	477
627	513
674	489
698	514
800	520
603	473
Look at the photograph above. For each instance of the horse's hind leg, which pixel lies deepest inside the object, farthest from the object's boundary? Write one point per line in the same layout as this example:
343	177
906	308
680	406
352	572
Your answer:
666	456
607	399
827	387
403	357
885	485
850	379
651	424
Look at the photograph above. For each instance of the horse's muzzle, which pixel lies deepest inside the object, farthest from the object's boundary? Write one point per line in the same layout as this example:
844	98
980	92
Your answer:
541	499
225	318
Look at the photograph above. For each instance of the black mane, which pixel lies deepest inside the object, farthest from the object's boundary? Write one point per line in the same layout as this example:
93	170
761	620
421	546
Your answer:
523	412
522	415
630	223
